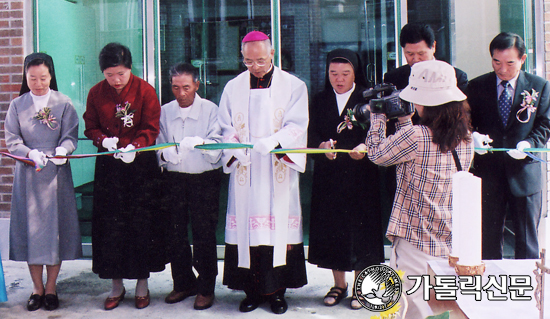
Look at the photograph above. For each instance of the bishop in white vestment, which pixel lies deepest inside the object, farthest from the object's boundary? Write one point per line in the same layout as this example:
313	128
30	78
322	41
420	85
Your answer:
268	108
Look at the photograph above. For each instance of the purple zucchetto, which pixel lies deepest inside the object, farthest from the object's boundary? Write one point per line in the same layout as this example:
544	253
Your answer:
255	36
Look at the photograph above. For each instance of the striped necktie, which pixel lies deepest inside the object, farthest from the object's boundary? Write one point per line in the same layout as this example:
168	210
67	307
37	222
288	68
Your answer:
505	103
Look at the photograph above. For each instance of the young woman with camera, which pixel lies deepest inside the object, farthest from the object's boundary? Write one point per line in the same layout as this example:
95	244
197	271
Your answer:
426	155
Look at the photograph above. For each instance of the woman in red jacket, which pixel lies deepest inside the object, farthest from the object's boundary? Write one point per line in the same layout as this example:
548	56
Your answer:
123	112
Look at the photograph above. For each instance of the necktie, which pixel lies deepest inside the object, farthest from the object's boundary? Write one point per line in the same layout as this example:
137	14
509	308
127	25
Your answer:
505	103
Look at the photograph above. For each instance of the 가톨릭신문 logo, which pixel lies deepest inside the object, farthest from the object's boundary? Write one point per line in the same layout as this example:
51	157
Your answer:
378	288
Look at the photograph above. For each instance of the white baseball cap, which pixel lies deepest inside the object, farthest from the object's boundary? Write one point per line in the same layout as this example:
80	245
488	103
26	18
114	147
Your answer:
432	83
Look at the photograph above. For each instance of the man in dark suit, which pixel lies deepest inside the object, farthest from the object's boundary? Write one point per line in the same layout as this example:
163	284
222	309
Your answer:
502	108
418	43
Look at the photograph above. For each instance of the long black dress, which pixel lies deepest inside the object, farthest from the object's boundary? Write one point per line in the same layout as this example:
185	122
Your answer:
128	225
345	228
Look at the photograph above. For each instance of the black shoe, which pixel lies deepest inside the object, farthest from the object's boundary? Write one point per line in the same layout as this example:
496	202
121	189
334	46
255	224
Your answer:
34	302
278	304
248	304
51	302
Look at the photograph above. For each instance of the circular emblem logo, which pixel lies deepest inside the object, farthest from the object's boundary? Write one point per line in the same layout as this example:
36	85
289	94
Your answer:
378	288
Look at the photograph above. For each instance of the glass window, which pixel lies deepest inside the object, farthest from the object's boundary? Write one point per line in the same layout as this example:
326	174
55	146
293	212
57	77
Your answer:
73	33
208	34
463	34
310	29
437	15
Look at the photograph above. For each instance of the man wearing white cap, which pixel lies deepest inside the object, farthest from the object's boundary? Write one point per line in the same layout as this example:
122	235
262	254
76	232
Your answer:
510	108
268	108
426	155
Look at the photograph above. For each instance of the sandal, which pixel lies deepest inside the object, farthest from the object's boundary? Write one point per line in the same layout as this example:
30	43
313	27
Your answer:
355	304
337	294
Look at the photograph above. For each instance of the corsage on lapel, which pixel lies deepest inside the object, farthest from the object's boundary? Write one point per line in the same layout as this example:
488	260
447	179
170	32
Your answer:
125	114
348	122
45	117
528	104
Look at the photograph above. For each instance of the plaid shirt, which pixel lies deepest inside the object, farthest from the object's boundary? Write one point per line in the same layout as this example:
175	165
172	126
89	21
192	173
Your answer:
421	212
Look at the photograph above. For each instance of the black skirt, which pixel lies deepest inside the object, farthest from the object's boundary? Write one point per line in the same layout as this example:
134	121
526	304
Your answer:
128	228
262	278
345	219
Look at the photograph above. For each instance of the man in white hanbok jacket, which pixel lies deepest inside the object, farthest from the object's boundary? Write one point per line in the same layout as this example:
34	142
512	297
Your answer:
191	187
268	108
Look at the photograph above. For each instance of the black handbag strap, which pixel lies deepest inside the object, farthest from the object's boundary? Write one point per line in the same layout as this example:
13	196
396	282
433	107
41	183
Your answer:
457	161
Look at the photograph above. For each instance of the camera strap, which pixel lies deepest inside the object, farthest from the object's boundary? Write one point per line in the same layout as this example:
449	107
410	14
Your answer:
457	161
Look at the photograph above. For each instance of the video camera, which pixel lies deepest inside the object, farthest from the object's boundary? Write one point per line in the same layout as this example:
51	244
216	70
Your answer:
382	98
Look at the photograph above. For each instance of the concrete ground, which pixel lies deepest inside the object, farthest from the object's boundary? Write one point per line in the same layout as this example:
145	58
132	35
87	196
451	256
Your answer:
82	293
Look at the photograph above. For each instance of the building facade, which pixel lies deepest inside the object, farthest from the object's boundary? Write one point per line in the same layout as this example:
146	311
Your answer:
208	33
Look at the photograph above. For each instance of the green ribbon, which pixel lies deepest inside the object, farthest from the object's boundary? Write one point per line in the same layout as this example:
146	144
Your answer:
223	146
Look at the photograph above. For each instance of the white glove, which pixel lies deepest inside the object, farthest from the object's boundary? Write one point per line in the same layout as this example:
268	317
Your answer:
171	155
481	141
265	145
126	157
188	143
110	143
38	158
60	150
241	156
212	153
518	152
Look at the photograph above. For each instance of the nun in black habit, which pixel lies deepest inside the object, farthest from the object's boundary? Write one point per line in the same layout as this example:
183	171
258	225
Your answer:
345	229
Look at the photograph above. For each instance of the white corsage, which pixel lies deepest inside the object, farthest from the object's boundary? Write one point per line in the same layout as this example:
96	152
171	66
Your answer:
125	114
527	105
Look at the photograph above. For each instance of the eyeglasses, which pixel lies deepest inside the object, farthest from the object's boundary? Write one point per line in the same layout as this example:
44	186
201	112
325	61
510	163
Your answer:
259	63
